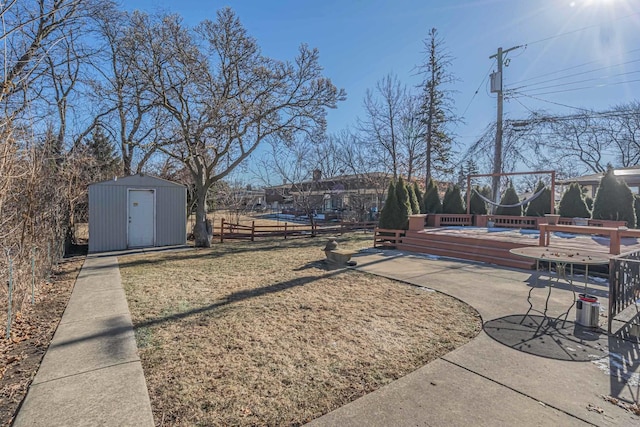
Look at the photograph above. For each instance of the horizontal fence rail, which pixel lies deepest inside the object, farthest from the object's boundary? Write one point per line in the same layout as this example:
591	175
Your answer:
228	230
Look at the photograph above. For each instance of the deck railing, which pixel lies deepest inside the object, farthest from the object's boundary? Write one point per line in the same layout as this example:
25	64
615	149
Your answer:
510	221
387	238
444	220
624	284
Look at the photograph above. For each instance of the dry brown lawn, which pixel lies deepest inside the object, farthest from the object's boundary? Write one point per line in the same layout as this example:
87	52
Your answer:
265	333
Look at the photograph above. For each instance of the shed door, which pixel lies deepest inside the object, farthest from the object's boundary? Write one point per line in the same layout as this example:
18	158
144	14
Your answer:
141	218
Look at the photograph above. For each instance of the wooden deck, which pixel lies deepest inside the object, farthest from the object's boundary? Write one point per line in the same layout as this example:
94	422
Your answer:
492	246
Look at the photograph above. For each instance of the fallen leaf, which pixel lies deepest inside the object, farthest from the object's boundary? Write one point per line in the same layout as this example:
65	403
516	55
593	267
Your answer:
594	408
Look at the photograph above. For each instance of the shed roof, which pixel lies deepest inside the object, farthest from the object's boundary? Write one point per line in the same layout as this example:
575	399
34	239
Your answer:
138	180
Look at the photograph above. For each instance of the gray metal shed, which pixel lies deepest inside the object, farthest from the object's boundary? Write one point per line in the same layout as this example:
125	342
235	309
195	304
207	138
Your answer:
136	211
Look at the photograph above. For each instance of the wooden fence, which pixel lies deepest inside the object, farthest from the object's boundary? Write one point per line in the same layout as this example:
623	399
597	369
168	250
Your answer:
228	230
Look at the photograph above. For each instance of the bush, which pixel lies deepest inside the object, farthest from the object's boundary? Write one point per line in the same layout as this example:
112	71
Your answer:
510	198
419	197
390	210
572	204
404	205
432	204
413	200
542	204
477	206
452	202
614	201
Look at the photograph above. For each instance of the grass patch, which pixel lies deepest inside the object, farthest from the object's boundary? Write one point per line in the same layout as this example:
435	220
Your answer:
264	333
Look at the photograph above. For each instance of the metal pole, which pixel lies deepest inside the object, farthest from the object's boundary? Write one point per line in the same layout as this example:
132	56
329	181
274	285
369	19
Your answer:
497	155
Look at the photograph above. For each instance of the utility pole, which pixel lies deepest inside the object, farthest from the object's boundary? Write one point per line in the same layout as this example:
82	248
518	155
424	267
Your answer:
496	86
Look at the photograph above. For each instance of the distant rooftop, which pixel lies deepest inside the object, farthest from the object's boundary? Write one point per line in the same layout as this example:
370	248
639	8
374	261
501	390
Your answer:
630	175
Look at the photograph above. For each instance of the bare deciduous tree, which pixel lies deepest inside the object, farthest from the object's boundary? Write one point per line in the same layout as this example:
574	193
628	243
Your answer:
128	108
224	97
383	120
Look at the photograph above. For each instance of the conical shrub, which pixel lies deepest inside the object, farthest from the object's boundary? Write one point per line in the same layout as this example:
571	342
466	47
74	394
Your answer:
404	205
432	204
542	204
614	201
572	204
510	197
413	200
390	211
477	206
452	202
419	197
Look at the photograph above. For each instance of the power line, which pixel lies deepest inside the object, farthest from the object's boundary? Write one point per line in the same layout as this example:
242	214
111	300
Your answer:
569	68
576	82
579	74
550	102
527	108
585	87
478	89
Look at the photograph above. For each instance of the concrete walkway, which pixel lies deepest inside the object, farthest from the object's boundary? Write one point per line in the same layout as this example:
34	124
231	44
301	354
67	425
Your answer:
518	371
91	374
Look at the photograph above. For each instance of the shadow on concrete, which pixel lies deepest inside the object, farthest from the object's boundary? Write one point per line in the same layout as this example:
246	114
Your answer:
548	337
542	280
624	361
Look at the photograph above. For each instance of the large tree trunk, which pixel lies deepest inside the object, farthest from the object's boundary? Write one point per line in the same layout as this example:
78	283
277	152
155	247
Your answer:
200	232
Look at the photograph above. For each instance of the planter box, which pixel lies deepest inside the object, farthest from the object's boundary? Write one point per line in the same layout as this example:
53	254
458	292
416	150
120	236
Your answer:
581	221
417	222
552	219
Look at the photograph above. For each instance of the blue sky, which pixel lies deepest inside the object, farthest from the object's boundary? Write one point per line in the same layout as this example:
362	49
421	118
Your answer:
579	53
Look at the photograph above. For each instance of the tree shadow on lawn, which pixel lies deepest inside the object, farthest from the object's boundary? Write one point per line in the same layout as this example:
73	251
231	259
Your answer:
231	298
224	250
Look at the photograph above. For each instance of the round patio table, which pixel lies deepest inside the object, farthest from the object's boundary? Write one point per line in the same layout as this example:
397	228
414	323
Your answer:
562	259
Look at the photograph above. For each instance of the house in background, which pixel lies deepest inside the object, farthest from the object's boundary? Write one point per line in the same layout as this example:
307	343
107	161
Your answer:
630	175
350	196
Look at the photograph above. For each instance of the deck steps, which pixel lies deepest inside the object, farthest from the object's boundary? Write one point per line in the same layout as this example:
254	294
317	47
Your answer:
465	247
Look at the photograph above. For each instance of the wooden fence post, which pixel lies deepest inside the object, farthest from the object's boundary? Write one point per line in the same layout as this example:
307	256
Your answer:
285	230
222	230
253	230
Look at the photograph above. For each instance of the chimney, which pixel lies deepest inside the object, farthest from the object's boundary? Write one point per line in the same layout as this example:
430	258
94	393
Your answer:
317	174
